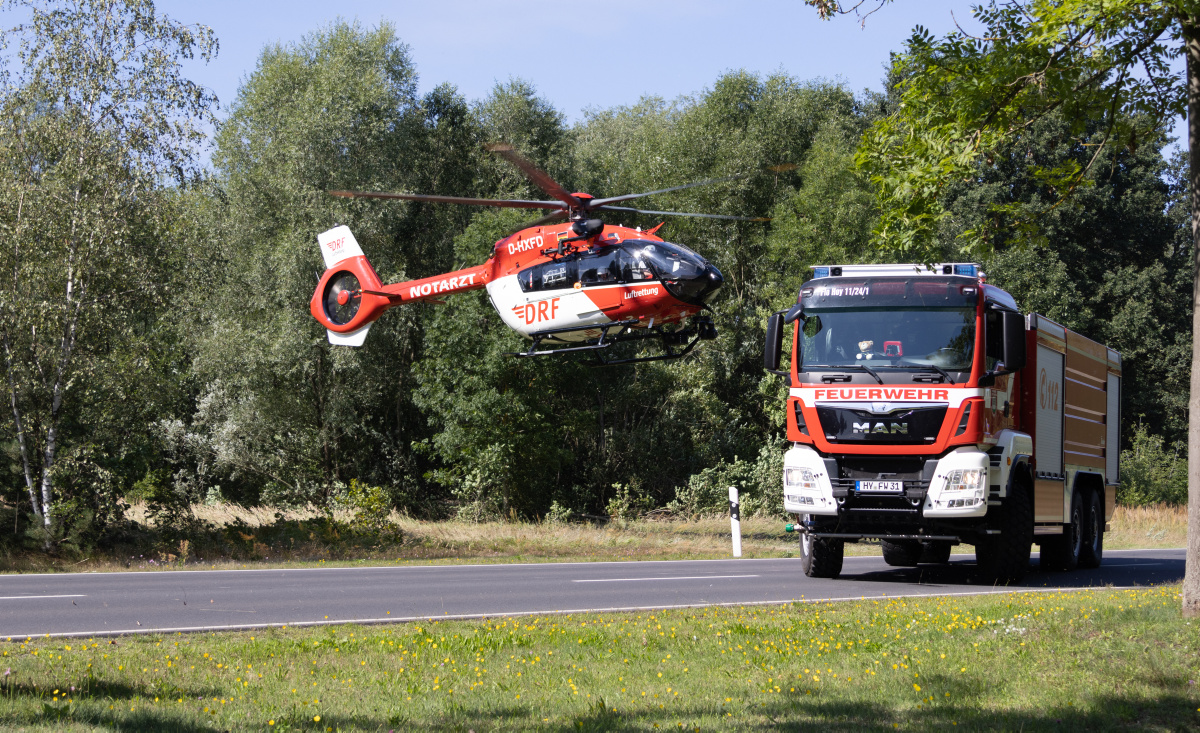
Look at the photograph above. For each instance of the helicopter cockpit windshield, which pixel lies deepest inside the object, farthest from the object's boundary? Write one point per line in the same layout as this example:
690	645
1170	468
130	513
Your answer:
687	275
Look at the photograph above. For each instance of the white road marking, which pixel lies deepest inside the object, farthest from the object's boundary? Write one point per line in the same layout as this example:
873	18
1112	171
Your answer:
681	577
1130	564
18	598
556	612
497	565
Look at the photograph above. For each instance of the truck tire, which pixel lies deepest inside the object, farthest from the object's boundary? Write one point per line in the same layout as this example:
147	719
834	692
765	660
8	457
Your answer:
1062	552
821	557
935	552
1092	551
1004	558
901	553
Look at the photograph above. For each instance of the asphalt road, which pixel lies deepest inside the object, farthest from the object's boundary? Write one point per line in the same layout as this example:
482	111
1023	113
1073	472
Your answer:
89	604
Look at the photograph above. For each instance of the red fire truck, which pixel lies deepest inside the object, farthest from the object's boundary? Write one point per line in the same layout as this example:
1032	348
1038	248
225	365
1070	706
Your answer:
925	410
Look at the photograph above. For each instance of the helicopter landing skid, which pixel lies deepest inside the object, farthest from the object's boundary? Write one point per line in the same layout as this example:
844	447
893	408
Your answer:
697	331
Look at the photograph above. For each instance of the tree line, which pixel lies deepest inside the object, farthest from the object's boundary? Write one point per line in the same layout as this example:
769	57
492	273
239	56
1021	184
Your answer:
156	338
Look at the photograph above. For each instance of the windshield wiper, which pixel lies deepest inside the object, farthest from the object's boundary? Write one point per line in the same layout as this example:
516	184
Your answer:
916	368
937	369
897	367
868	370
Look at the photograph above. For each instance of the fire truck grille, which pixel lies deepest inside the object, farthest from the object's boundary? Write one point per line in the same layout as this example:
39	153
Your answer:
845	488
866	508
916	426
885	467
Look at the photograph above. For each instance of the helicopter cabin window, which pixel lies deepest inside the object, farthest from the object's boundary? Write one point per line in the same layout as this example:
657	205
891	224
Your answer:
600	268
554	275
633	266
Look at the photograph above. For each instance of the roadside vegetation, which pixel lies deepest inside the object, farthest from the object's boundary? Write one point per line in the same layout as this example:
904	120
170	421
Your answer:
225	536
214	386
1085	661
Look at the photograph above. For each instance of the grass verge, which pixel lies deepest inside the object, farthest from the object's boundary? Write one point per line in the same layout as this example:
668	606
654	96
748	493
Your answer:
1086	660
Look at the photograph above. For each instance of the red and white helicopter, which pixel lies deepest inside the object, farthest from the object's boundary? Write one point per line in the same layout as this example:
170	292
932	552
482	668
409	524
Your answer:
581	284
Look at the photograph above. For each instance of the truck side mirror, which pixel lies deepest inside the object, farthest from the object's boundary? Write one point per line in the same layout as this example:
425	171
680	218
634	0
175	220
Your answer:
774	343
1014	341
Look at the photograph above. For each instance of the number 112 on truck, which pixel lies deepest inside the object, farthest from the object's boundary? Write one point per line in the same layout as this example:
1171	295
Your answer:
925	410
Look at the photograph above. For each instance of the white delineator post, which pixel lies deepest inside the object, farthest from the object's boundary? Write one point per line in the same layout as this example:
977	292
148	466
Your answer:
735	521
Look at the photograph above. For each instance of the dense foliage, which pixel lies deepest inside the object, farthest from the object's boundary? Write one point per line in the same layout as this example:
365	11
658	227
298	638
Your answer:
215	382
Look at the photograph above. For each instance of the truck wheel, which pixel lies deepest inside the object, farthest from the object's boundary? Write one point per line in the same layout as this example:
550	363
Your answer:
935	552
901	553
821	557
1092	550
1063	552
1004	558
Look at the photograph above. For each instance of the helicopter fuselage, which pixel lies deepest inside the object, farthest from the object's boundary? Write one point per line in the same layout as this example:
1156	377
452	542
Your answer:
539	282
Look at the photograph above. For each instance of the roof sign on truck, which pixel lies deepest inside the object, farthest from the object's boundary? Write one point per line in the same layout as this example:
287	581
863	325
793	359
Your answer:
969	269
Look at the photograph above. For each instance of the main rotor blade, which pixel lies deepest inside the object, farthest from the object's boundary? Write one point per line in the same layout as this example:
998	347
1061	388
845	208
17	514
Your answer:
614	199
596	203
680	213
547	219
505	203
535	174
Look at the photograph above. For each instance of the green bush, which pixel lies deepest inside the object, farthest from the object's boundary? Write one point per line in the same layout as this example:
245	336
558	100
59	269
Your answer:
629	501
559	513
372	508
759	484
1151	472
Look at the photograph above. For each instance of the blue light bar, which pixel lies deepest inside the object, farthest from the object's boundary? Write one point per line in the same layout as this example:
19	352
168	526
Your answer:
967	269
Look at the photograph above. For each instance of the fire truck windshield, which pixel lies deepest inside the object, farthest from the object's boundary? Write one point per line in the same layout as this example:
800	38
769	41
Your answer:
897	337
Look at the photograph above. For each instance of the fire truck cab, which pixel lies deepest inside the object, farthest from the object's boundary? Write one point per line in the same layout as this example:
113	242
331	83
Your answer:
925	410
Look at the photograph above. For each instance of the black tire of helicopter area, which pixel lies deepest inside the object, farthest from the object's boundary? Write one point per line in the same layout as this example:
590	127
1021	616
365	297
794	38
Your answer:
821	557
1004	558
901	553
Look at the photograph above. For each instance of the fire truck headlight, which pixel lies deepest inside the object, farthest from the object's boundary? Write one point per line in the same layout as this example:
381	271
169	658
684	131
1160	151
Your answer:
798	481
967	483
799	478
968	479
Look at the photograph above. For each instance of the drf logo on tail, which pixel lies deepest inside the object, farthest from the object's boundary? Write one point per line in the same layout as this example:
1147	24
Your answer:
546	310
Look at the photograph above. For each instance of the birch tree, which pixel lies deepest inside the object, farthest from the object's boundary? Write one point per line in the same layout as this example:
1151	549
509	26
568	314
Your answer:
96	122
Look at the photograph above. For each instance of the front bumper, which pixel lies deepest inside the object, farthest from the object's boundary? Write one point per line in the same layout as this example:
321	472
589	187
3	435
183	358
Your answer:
838	502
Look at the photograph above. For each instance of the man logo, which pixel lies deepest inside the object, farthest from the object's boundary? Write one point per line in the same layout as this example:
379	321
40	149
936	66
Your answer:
897	428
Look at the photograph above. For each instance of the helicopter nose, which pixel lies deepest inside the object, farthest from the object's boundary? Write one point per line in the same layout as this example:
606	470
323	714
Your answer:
713	284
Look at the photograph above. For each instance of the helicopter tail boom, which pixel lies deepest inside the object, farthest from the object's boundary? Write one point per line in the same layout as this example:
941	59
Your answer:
431	289
349	296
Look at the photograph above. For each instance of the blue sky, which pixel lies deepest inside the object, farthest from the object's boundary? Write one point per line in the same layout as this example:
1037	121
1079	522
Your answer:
580	55
600	55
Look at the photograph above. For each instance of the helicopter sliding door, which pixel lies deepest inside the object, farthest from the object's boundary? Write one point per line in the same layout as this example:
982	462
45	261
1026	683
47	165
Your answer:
600	268
546	297
555	275
613	266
